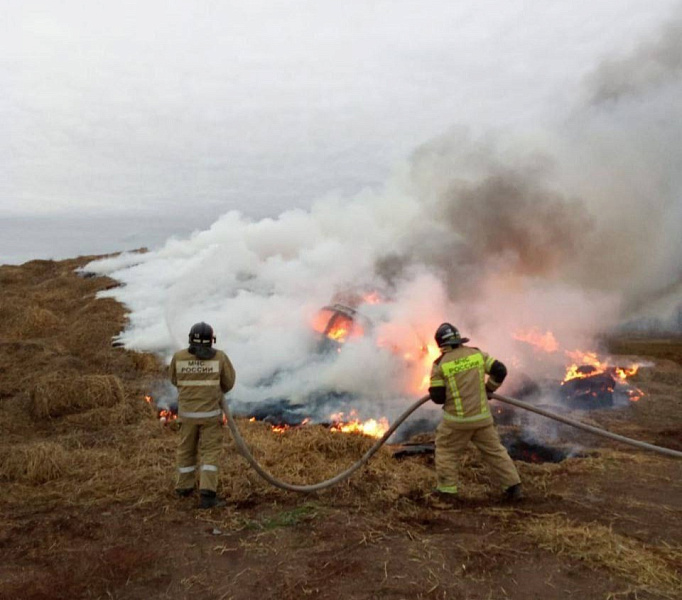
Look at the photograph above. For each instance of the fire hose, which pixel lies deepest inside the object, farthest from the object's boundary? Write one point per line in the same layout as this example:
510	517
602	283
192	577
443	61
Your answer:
315	487
586	427
246	452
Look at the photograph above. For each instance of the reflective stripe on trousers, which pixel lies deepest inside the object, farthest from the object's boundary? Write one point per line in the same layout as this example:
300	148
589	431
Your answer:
199	438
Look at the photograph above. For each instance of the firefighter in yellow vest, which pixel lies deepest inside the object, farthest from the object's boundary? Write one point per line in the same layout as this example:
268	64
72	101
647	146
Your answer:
202	375
458	382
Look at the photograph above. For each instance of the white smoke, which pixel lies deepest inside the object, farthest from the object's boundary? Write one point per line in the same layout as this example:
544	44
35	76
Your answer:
573	228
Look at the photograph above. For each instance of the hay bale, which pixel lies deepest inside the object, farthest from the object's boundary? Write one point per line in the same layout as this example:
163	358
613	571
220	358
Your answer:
37	463
123	413
145	363
55	395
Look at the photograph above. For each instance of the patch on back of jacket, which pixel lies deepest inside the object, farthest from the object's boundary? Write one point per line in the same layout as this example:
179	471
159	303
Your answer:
462	364
193	367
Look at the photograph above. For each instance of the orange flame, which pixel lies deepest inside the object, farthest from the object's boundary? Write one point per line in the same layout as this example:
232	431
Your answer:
429	353
339	330
283	427
341	424
372	298
581	360
543	341
624	372
418	355
166	416
372	427
584	364
635	394
336	325
163	415
595	366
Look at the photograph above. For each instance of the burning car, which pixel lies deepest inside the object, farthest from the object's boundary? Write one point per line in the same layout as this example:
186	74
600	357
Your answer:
338	323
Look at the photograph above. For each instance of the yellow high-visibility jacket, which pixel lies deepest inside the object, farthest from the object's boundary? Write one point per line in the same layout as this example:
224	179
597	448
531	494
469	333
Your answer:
201	383
462	372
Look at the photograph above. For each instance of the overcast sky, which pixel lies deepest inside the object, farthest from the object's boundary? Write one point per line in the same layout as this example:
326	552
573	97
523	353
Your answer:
123	123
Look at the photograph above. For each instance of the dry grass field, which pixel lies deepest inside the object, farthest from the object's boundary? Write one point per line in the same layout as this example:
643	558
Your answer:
87	508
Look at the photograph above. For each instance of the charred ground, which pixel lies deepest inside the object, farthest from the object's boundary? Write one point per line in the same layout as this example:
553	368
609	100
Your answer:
88	509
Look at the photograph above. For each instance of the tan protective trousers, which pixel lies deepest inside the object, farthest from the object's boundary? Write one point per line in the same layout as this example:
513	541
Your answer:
450	444
203	438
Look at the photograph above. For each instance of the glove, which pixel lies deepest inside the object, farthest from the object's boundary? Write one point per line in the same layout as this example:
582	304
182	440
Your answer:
437	394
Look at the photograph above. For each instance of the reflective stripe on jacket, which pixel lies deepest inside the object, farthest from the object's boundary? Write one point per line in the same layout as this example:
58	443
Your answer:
201	383
462	372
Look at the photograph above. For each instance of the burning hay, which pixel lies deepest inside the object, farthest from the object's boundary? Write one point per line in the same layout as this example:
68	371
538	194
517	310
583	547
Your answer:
337	423
591	382
314	453
35	463
55	396
108	459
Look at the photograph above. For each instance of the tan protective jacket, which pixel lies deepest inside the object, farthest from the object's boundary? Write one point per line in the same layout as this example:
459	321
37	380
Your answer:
201	383
462	372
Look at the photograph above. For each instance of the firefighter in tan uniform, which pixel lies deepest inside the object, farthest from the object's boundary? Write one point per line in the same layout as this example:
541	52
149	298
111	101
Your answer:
458	382
202	375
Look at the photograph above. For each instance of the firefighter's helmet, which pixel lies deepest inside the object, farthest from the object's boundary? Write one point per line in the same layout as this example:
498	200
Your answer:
448	335
201	334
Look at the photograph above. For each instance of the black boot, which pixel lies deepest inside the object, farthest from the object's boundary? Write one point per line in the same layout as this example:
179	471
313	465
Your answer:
513	493
184	492
208	499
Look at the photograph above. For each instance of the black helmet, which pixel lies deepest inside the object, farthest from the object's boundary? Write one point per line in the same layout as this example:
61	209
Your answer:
448	335
201	334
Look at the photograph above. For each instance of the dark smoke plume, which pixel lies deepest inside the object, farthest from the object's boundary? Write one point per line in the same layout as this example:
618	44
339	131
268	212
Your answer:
594	203
654	63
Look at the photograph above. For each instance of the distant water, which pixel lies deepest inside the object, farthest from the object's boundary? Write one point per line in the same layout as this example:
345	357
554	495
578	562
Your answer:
28	238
